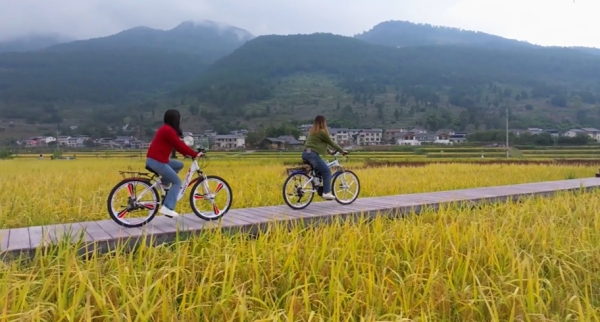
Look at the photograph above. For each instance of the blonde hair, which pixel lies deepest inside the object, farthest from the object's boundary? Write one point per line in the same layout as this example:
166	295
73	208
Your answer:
319	125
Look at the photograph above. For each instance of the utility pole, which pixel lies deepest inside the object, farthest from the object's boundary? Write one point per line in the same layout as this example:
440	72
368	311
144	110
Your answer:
57	147
507	132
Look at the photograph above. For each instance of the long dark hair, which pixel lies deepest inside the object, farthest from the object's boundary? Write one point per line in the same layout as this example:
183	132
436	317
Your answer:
173	119
319	125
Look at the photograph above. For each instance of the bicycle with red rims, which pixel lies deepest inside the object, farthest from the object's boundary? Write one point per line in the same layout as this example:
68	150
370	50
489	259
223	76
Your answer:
207	190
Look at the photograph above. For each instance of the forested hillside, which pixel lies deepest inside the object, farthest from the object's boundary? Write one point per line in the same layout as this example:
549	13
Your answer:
396	74
407	34
107	69
31	42
450	85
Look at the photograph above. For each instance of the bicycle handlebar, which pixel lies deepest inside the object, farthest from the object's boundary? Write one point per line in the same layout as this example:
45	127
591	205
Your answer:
337	153
200	150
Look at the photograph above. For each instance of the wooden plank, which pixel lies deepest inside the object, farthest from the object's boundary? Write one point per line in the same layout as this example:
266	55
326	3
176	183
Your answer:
276	215
119	232
237	220
190	223
95	232
240	217
256	216
19	239
36	236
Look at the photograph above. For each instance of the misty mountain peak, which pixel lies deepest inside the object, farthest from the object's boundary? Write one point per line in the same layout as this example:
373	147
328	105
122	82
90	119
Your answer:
220	27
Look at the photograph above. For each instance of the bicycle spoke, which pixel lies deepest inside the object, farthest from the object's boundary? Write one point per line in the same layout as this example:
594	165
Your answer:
130	189
148	205
123	213
198	196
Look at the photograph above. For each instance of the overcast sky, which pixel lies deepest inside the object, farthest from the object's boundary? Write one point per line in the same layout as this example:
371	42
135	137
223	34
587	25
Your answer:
545	22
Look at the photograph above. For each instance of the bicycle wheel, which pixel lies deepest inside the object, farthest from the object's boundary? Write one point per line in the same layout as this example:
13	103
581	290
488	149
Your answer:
217	202
121	202
345	180
295	187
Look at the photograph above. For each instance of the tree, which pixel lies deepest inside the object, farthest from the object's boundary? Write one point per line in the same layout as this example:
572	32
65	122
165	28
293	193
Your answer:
194	110
254	138
559	100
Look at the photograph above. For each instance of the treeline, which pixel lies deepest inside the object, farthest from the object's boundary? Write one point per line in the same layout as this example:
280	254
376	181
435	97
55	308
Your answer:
365	69
106	76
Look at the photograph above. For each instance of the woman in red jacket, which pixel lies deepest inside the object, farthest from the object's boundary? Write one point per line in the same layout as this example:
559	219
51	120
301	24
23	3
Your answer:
166	139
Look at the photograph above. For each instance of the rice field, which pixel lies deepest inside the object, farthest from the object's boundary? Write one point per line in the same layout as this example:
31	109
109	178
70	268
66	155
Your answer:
534	261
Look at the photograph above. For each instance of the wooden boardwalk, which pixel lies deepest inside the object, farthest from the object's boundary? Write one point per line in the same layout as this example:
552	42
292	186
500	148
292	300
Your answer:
104	235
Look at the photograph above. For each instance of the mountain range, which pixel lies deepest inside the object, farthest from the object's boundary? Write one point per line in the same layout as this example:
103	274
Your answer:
397	73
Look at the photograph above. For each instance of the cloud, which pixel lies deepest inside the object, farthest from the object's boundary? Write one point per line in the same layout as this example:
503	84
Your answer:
558	22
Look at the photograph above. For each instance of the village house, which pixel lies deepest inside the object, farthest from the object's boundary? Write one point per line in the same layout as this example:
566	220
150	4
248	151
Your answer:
408	138
443	137
243	133
229	142
340	136
574	132
535	130
63	140
393	135
123	141
369	137
418	130
592	132
281	143
458	137
304	128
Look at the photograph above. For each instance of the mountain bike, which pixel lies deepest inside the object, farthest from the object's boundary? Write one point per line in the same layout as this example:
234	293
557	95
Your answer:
151	185
303	182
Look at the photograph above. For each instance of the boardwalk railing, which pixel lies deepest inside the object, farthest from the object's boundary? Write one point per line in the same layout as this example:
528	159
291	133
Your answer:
105	235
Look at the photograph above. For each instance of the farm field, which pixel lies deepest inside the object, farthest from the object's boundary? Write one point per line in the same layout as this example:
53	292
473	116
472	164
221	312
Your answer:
394	153
533	261
62	191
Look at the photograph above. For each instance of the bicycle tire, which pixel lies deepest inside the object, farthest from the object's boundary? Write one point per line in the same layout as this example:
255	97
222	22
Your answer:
114	216
335	177
312	193
221	213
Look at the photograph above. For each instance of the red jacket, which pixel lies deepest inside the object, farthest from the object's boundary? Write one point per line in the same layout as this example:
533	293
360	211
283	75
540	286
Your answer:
164	141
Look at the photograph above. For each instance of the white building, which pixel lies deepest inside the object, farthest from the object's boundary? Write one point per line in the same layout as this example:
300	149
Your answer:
63	140
412	141
229	142
535	130
369	137
340	136
592	132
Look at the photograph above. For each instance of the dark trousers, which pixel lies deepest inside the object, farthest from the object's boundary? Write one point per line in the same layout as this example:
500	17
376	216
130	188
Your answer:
318	164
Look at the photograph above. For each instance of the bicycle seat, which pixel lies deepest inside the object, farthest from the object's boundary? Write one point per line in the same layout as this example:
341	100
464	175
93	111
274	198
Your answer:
150	169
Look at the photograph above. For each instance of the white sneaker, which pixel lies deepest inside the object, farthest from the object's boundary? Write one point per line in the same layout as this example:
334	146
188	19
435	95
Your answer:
328	196
168	212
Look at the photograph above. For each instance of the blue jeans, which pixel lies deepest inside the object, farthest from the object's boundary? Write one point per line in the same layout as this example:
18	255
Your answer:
319	165
168	173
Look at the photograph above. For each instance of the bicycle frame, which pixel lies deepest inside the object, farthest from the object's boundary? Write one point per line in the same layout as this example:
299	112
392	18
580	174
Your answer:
334	163
185	184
